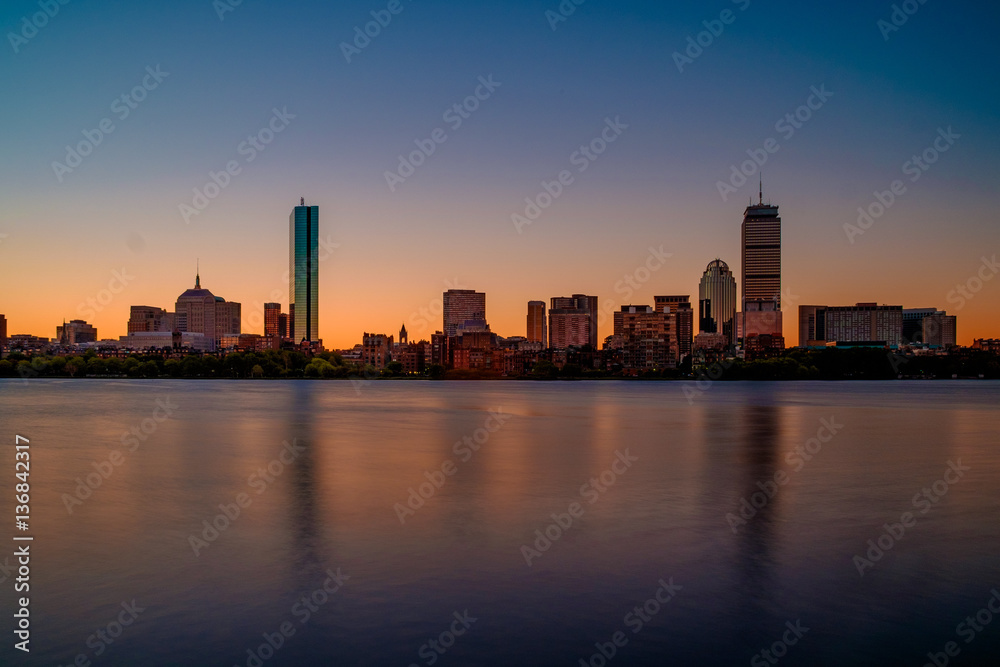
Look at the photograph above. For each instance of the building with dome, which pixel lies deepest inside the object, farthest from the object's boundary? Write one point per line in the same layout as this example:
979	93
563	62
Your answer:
199	311
717	302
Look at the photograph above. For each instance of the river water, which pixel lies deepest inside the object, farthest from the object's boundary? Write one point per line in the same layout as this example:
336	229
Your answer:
505	523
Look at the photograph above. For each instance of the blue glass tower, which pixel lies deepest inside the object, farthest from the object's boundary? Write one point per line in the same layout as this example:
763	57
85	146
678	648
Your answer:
303	273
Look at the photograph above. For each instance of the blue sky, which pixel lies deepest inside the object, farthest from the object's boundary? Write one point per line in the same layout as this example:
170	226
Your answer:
657	184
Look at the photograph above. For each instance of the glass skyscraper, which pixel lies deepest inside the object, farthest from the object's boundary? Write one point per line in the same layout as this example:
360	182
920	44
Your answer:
717	301
303	273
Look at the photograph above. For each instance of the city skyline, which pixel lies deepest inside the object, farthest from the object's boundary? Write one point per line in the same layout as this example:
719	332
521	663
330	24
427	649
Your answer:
686	158
304	234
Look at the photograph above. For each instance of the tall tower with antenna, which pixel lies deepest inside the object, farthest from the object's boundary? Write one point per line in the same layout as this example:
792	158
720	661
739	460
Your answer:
761	245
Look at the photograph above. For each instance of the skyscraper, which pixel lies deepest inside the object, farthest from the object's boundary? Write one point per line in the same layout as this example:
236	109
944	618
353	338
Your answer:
536	322
3	332
761	243
461	306
303	273
717	301
272	317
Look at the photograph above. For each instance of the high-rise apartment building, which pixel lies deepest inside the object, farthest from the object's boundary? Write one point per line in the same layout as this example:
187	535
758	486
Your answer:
303	273
536	322
461	306
648	337
573	321
683	329
717	301
761	243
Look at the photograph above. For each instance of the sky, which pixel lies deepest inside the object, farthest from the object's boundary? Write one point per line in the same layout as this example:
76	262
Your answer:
669	97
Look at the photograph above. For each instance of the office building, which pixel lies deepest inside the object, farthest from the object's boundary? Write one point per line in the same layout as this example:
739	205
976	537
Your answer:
197	310
717	301
165	340
303	273
939	329
272	319
913	320
573	321
283	326
761	244
149	319
536	322
75	332
864	323
462	306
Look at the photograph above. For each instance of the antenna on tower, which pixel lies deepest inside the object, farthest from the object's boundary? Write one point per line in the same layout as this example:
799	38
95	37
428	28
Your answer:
761	192
302	200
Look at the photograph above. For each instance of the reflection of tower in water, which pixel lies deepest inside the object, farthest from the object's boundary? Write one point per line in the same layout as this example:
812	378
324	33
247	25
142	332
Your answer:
755	539
307	558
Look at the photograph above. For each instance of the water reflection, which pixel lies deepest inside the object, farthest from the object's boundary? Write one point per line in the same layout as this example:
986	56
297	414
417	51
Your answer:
760	426
309	560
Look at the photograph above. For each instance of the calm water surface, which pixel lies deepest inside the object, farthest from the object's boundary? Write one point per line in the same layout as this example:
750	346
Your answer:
356	452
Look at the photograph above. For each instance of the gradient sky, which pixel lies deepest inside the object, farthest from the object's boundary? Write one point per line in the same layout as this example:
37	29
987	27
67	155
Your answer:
450	223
